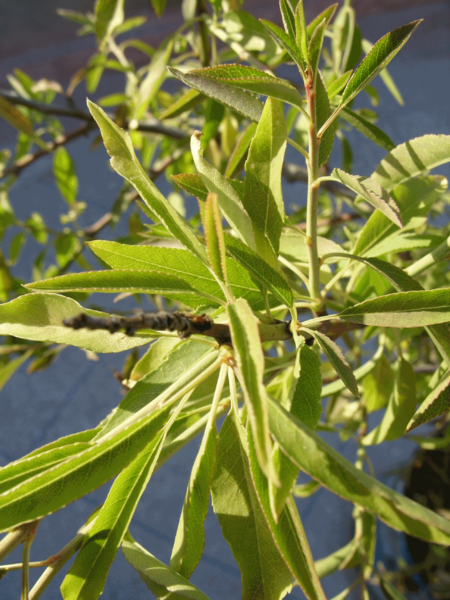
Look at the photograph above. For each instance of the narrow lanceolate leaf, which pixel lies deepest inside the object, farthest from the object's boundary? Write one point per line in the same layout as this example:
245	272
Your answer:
192	183
73	478
322	114
400	408
288	532
159	578
314	456
285	41
287	14
338	84
253	80
124	161
190	538
185	103
40	317
435	404
180	263
378	58
371	131
181	367
250	361
87	576
229	201
158	7
372	192
414	199
263	571
65	175
301	33
108	15
235	162
154	78
326	14
315	46
263	199
411	159
405	309
239	100
378	385
260	270
127	281
336	358
212	225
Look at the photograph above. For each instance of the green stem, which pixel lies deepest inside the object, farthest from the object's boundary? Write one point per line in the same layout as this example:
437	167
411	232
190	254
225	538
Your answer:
26	560
14	539
313	194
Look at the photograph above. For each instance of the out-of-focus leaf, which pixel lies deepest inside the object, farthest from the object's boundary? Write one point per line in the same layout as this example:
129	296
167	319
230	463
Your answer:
319	460
159	578
240	150
389	591
338	84
378	385
155	77
108	15
39	317
263	571
185	103
7	371
158	7
435	404
65	175
326	14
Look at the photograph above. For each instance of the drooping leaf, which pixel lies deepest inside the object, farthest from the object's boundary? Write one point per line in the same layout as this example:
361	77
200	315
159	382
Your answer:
240	150
156	575
229	201
263	199
404	309
336	358
263	272
180	263
124	161
288	532
319	460
239	100
65	175
378	58
400	408
39	317
372	192
51	490
252	80
435	404
108	15
263	571
250	361
113	281
371	131
87	576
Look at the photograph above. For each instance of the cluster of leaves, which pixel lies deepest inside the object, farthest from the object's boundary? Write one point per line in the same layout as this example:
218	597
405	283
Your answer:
360	260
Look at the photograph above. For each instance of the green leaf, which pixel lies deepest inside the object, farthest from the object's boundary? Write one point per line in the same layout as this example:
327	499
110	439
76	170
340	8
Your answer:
405	242
414	199
332	563
389	591
87	576
315	47
240	150
239	100
126	281
39	317
372	192
264	273
319	460
412	159
435	404
400	408
301	34
250	361
404	309
190	537
378	58
336	86
253	80
263	198
65	175
326	14
212	225
154	357
155	77
51	490
293	246
124	161
108	15
263	571
159	578
243	33
371	131
287	14
192	183
14	117
285	41
7	370
181	371
378	385
229	201
180	263
158	7
336	358
288	532
322	114
185	103
385	76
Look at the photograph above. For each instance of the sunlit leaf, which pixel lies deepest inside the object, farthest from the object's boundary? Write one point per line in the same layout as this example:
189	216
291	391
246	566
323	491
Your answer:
435	404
